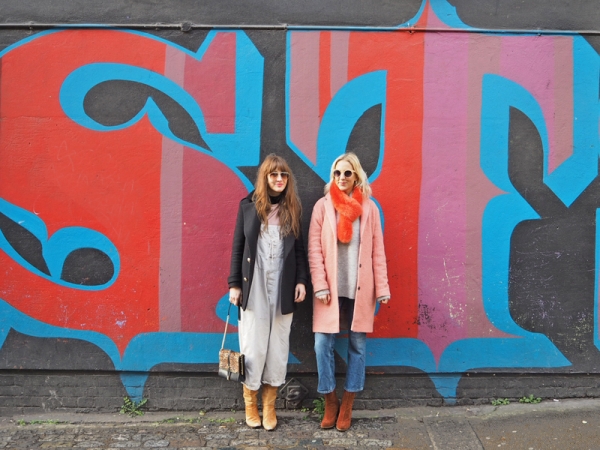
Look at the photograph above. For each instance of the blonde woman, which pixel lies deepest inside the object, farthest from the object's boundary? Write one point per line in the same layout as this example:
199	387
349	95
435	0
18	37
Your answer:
349	276
267	279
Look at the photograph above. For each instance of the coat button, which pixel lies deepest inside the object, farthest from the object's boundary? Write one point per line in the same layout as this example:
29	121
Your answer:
360	265
245	279
248	259
359	288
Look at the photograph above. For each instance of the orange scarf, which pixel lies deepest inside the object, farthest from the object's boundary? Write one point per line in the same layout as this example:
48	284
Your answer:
349	209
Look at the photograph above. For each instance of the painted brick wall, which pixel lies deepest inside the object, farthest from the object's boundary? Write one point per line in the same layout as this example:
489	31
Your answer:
125	149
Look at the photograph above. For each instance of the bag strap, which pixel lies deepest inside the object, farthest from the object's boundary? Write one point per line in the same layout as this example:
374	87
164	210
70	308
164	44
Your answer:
226	325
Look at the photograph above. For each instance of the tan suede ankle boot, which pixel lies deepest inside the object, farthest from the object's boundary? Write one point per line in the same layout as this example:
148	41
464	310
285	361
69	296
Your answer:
269	395
332	407
250	400
345	418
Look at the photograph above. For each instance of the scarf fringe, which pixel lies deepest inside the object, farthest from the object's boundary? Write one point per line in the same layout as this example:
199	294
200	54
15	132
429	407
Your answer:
349	209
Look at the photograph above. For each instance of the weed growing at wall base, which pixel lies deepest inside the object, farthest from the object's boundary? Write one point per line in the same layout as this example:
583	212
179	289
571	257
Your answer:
22	422
319	407
181	420
133	408
500	401
530	399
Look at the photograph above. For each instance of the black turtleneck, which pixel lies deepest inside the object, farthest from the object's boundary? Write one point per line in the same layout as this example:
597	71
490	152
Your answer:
275	200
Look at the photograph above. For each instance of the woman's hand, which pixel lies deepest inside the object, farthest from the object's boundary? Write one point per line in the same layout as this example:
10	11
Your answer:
325	298
384	300
235	296
300	293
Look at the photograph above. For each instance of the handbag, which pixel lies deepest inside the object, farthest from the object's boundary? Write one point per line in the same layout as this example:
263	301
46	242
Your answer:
231	364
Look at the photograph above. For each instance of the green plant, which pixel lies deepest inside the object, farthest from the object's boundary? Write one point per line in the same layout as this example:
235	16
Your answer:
305	409
21	422
500	401
181	419
319	407
530	399
227	420
49	422
133	408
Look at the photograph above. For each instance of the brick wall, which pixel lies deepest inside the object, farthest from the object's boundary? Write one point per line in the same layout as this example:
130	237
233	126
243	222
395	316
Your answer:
38	391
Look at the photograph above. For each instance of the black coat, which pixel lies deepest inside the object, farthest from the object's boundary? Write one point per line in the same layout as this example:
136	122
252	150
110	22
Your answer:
243	254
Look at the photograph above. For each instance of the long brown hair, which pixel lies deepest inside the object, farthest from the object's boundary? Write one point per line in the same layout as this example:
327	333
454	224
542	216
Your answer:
290	208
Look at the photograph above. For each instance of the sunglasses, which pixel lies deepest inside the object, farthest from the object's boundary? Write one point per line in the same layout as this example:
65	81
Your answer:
347	173
275	175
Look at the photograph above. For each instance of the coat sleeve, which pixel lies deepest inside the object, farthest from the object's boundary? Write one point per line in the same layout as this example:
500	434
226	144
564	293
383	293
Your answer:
316	259
301	266
382	288
237	251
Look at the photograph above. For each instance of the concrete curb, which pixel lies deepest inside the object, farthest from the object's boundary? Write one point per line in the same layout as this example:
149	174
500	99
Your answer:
417	412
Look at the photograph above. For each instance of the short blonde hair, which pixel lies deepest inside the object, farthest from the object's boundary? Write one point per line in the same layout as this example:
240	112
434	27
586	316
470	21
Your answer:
361	175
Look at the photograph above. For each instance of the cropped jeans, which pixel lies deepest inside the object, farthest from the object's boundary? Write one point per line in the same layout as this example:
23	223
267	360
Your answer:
357	351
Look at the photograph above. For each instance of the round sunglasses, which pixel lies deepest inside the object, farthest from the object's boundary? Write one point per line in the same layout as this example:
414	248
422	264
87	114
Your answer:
347	173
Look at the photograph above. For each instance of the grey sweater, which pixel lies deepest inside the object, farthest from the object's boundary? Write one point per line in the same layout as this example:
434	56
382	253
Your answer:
347	273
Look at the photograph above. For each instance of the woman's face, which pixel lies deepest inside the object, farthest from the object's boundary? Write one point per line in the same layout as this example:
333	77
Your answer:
344	176
277	181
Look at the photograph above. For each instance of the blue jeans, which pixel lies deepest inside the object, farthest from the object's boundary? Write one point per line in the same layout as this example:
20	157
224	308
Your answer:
357	351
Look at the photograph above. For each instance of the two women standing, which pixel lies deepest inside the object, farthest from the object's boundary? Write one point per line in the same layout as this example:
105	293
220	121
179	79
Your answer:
268	277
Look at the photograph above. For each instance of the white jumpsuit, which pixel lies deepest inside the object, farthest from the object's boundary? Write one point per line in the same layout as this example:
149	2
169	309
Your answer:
263	331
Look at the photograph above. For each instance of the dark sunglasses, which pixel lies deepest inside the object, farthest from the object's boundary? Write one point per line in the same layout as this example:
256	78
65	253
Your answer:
347	173
275	175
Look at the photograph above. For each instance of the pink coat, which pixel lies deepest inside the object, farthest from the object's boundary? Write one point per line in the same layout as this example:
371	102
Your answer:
322	258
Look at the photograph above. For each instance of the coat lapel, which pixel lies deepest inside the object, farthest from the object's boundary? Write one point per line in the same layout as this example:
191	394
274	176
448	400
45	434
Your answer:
288	244
251	225
364	216
330	212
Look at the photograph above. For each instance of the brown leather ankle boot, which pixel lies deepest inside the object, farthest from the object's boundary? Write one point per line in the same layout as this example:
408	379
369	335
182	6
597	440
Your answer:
250	401
332	407
345	418
269	395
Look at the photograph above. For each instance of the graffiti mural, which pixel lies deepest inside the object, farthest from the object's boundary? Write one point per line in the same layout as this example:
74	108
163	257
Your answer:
123	157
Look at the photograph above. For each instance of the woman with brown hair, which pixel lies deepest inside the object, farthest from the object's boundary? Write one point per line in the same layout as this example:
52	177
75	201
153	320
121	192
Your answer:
349	276
267	279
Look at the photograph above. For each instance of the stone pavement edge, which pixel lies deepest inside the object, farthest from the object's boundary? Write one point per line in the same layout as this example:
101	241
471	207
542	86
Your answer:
565	424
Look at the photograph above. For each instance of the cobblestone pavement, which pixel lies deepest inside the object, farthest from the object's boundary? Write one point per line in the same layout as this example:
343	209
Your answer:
292	432
570	424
